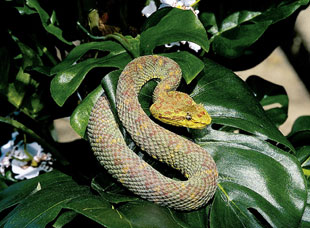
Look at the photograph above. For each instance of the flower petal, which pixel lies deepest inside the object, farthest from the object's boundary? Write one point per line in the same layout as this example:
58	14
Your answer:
149	9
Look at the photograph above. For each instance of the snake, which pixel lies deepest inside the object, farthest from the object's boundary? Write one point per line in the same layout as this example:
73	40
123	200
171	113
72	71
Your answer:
176	108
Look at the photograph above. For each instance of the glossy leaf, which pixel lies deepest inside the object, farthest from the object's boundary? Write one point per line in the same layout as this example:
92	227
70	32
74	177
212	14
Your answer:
272	97
66	82
41	207
171	25
98	210
259	183
230	102
232	43
19	191
147	214
110	191
232	34
305	220
79	117
281	10
64	219
112	48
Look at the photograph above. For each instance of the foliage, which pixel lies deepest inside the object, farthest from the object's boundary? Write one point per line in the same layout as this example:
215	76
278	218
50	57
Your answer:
263	174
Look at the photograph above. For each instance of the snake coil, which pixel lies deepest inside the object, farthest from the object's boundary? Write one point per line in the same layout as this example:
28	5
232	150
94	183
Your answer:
127	167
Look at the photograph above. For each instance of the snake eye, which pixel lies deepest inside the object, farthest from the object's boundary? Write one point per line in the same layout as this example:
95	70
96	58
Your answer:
188	116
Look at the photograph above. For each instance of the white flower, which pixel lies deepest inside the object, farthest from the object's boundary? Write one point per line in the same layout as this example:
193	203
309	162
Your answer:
149	9
194	46
26	164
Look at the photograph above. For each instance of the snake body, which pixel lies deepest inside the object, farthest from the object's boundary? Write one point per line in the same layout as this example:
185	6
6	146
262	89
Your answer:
126	166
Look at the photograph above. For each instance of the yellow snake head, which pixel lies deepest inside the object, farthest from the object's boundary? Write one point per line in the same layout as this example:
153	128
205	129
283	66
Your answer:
179	109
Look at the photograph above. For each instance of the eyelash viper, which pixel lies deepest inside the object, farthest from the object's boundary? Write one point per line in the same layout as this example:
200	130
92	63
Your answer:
182	154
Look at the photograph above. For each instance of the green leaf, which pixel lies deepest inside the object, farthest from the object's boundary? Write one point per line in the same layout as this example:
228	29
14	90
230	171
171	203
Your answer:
16	193
79	117
46	21
305	220
66	82
300	134
64	219
76	53
229	102
110	191
147	214
259	183
232	43
98	210
170	25
198	218
272	97
281	10
234	28
41	207
190	65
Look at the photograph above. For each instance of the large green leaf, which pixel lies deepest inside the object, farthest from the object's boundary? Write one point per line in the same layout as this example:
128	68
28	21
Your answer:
76	53
281	10
299	136
305	220
19	191
41	199
229	102
147	214
170	25
79	117
259	183
66	82
232	34
98	210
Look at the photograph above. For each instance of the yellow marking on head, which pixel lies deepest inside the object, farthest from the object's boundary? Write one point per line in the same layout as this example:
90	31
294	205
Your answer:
186	175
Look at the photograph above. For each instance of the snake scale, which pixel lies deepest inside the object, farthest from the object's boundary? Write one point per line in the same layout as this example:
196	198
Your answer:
182	154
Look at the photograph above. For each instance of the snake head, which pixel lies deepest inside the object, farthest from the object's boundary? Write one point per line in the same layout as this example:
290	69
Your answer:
179	109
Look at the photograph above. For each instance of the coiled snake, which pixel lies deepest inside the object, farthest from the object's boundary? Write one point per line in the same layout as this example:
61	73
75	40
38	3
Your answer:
126	166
